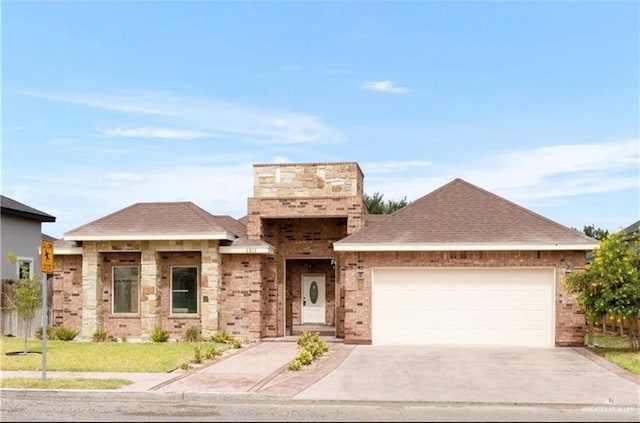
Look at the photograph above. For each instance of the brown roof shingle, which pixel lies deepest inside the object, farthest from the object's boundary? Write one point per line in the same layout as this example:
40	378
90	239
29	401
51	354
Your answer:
460	213
170	220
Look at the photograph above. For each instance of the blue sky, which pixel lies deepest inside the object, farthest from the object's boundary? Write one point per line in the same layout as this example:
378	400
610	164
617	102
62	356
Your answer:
105	104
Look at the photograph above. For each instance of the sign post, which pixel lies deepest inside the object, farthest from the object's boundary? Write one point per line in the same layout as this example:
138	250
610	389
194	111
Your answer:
46	267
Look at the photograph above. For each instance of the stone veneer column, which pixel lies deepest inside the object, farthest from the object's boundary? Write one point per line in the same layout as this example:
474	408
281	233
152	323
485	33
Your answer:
149	290
91	290
210	283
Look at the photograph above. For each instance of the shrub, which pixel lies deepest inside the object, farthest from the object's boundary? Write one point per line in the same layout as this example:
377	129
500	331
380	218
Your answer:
159	335
197	352
51	334
64	333
304	356
295	365
185	366
211	353
192	334
124	338
100	335
225	338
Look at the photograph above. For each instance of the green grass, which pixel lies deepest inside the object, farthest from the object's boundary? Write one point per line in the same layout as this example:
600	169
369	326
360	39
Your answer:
63	383
617	350
76	356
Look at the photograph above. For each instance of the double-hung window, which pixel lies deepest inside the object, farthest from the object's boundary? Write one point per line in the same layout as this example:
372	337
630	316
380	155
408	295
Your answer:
24	267
184	290
125	289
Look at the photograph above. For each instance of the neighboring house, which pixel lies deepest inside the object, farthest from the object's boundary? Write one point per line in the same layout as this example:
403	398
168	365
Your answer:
20	234
633	230
457	266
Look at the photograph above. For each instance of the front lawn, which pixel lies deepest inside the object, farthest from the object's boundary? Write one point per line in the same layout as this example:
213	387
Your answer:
77	356
617	350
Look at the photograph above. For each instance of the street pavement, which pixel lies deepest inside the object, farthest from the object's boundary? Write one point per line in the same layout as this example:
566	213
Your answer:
427	374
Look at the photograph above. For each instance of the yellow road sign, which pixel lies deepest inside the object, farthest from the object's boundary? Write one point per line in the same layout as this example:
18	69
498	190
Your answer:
46	256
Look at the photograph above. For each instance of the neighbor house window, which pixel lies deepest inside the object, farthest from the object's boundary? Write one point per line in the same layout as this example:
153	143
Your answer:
125	289
184	290
24	267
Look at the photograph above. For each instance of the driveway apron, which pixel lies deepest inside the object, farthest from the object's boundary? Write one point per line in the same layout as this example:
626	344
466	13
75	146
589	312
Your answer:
474	374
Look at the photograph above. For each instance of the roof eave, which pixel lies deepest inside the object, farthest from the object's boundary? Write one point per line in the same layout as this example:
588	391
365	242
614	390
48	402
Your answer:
151	237
67	251
462	247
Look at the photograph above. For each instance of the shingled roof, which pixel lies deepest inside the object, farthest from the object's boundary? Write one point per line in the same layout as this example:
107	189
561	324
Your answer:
460	216
159	221
16	208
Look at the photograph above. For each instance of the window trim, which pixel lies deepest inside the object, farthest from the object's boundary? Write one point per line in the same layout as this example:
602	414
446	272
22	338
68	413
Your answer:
113	292
19	261
171	291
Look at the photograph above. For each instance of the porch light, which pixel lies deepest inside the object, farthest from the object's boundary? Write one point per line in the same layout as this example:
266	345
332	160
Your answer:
568	269
360	272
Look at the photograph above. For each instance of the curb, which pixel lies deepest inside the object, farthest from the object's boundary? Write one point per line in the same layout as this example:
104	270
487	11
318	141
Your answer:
32	394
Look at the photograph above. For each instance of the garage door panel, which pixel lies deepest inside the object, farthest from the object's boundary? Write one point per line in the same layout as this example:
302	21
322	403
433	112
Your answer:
463	306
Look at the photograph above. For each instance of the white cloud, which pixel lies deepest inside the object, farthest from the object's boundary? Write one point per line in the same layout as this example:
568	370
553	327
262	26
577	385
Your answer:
526	175
126	177
385	86
169	133
232	121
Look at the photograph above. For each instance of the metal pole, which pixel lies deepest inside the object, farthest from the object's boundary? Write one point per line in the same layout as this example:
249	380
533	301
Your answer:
45	324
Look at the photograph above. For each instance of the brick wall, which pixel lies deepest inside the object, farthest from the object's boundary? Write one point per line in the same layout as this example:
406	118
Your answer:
66	305
241	292
570	324
117	325
177	324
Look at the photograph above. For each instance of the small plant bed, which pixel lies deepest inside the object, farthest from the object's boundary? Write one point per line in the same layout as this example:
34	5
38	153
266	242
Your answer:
310	348
617	350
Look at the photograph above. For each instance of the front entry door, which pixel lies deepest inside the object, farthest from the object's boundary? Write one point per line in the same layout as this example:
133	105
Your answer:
313	299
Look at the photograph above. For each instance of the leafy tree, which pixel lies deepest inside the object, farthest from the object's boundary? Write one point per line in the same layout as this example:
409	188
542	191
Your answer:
377	205
595	233
26	298
610	284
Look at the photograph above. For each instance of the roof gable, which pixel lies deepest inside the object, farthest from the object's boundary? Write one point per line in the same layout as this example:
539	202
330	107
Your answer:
16	208
462	216
155	221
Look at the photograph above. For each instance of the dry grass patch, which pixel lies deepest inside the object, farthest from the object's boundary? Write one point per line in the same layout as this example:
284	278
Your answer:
63	383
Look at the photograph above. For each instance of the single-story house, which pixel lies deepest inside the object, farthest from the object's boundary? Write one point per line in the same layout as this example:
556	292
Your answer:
458	266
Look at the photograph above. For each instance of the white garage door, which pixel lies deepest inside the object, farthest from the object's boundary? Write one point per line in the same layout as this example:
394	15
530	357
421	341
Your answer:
463	306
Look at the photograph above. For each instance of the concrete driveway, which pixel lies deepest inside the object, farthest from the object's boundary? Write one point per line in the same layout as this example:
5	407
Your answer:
475	374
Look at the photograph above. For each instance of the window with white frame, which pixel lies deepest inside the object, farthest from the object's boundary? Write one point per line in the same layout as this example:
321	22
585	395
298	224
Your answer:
184	290
24	267
125	290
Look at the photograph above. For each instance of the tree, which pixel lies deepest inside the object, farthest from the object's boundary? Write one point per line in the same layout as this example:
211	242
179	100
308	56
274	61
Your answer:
26	299
610	284
595	233
376	204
